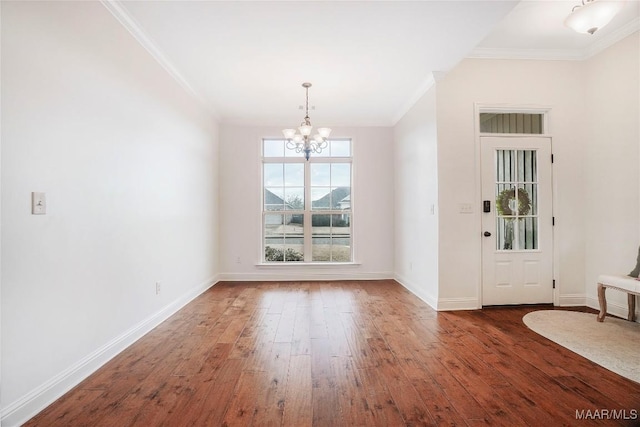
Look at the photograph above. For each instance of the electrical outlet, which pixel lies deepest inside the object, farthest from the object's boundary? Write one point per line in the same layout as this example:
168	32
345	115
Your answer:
158	288
238	260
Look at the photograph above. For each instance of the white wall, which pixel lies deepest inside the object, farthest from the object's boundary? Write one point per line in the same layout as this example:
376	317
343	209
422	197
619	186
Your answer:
555	84
594	120
240	210
128	163
416	198
612	220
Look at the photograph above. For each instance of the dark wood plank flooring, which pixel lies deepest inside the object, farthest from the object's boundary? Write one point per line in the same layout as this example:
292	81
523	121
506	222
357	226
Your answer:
364	353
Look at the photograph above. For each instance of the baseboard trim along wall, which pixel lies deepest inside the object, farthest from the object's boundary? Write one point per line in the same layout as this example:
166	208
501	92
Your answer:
439	304
571	300
271	276
415	290
39	398
453	304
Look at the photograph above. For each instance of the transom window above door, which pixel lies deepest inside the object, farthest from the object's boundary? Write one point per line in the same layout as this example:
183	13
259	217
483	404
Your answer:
513	123
307	206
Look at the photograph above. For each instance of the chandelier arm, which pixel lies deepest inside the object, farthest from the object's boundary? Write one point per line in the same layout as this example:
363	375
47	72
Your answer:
291	145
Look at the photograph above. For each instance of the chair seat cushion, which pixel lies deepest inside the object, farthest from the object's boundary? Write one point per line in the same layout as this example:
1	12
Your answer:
623	282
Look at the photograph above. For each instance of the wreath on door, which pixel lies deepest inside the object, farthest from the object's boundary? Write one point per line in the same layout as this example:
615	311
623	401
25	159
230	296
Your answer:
504	199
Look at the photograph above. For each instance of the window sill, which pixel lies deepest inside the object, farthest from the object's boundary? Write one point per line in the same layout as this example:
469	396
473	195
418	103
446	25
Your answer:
307	264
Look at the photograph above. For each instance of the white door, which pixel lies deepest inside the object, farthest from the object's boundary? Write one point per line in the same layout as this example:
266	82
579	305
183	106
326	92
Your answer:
517	258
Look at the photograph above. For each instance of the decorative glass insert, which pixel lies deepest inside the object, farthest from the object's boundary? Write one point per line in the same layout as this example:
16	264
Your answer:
516	200
520	123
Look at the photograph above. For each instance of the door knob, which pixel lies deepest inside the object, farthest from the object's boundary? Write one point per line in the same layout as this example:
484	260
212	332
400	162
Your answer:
487	234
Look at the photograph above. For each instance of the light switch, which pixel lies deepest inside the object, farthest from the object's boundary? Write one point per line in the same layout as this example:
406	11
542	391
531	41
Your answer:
38	203
465	208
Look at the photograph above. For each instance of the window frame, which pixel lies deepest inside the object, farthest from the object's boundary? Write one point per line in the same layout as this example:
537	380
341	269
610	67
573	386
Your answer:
488	109
307	212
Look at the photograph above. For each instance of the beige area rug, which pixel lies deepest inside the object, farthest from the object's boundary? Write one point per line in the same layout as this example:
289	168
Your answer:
613	344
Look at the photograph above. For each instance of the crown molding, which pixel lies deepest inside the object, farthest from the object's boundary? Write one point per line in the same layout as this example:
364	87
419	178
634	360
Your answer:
559	54
611	39
131	25
426	84
536	54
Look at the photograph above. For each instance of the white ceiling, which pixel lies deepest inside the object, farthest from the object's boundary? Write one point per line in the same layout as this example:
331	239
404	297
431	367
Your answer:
535	29
368	60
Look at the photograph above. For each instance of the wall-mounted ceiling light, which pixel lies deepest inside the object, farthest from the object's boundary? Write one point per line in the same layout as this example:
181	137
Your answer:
303	142
592	15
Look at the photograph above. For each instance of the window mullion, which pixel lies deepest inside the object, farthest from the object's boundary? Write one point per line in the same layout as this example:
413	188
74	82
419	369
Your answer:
307	213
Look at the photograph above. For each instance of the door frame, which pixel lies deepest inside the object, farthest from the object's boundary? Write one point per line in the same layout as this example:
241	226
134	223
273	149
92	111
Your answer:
513	108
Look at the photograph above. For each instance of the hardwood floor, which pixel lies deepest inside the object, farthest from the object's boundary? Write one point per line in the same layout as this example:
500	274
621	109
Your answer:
341	354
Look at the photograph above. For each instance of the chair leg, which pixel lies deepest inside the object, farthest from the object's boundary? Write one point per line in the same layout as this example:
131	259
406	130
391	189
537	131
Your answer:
632	307
603	302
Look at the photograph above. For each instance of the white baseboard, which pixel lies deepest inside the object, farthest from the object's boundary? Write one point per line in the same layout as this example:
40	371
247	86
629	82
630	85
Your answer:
39	398
284	275
414	289
571	300
452	304
439	304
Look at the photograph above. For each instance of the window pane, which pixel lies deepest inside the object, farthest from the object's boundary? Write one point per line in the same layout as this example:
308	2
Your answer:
338	194
294	198
321	237
284	238
292	153
341	174
273	237
320	174
274	199
522	123
532	192
505	238
294	174
527	199
324	153
320	198
527	233
273	175
331	238
294	238
341	148
273	148
341	249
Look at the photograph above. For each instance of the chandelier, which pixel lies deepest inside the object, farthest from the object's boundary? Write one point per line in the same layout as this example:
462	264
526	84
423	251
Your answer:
592	15
302	142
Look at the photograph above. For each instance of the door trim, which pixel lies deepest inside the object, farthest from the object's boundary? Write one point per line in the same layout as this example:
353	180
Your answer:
479	107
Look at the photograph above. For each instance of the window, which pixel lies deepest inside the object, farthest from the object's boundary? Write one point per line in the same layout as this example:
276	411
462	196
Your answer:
306	209
520	123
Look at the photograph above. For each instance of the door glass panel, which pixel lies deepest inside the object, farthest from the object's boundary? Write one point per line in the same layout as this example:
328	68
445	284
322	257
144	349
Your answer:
527	233
516	200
